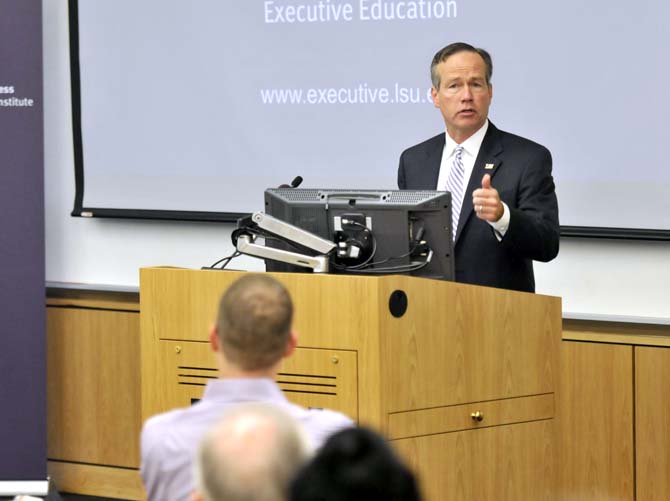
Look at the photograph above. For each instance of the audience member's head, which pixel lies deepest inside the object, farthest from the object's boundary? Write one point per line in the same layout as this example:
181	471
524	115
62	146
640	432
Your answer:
252	454
254	323
355	463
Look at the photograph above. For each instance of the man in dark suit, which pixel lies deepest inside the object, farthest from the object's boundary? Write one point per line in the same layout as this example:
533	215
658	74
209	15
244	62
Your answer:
503	197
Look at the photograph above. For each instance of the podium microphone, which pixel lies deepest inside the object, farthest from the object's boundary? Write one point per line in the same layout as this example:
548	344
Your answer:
294	184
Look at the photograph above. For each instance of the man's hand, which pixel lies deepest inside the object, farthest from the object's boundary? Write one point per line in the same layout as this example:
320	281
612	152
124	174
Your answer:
486	201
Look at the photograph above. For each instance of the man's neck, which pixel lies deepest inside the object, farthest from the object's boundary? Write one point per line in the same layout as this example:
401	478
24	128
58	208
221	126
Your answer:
230	371
461	137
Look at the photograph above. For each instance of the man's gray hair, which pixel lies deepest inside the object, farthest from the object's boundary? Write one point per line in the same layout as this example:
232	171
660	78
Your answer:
251	454
446	52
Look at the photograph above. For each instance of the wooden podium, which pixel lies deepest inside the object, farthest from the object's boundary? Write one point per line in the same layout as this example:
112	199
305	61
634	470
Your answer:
462	383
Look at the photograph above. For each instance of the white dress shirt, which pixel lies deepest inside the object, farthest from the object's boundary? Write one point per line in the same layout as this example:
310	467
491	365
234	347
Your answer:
471	148
169	441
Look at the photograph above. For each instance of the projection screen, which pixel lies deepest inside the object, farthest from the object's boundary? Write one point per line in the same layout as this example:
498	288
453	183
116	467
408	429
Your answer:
199	106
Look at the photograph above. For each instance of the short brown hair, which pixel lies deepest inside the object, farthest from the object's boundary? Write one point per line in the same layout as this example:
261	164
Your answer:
446	52
254	322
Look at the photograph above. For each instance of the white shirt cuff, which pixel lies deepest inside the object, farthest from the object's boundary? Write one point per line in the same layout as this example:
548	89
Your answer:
501	225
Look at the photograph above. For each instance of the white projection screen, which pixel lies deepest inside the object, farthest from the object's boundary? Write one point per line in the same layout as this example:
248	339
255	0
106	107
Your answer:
196	107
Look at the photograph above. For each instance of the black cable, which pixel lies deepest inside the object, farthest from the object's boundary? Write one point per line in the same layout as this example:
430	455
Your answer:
388	259
393	258
365	263
227	260
374	248
397	269
391	270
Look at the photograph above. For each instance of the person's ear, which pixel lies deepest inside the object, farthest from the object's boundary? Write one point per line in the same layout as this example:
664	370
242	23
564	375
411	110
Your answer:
291	344
436	96
214	338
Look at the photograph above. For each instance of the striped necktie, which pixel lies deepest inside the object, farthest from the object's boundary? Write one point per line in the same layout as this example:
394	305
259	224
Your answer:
456	185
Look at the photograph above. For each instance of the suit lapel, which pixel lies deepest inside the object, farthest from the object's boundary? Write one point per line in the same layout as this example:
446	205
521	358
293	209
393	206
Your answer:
433	162
487	162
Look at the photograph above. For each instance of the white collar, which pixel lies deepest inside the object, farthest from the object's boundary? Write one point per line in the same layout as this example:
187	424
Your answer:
471	145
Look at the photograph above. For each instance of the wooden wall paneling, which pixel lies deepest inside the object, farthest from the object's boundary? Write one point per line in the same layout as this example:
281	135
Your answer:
93	387
616	332
99	481
85	298
94	371
652	423
509	463
595	422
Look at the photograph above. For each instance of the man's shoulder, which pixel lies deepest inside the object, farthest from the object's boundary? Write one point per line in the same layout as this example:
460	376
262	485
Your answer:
515	142
319	424
427	145
327	416
164	421
174	430
158	431
315	416
168	441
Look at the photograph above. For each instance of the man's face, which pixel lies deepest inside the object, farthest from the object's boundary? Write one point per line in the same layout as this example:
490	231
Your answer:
464	96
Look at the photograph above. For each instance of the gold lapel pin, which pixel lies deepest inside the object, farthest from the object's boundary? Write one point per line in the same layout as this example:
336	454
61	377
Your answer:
488	166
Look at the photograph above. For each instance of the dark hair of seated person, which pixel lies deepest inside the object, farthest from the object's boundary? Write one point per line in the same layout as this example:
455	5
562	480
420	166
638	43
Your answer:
355	464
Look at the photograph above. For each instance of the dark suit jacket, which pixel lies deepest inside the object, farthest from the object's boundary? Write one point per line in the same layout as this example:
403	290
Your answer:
522	175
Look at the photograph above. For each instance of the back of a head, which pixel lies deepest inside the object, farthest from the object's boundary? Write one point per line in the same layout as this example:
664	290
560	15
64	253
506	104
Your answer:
254	322
252	454
355	463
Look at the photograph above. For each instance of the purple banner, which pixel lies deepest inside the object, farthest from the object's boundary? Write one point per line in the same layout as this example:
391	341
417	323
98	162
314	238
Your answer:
22	308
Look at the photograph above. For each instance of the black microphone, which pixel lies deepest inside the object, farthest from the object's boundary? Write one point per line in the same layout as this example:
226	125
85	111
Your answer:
294	184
